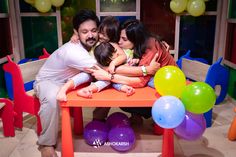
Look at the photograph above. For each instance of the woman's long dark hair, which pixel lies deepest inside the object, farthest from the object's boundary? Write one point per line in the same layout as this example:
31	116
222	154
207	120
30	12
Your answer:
137	34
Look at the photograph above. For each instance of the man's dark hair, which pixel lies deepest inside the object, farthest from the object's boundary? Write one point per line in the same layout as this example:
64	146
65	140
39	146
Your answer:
84	15
103	53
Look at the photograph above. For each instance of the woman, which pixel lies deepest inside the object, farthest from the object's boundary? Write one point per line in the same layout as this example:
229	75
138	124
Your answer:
151	53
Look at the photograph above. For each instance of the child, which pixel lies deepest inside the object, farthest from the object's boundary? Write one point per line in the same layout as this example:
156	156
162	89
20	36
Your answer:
105	53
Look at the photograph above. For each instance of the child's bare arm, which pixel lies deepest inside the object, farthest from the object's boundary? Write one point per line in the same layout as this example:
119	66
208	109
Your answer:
119	60
75	37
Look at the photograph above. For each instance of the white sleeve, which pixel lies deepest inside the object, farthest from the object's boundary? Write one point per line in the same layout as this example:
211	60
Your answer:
79	58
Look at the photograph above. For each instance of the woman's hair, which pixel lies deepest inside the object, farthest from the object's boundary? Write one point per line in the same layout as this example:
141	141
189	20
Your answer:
110	25
103	53
84	15
137	34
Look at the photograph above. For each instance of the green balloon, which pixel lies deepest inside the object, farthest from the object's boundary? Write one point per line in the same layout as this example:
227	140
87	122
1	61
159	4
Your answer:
198	97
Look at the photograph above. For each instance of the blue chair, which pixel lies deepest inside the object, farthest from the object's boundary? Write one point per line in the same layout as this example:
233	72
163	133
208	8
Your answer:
217	74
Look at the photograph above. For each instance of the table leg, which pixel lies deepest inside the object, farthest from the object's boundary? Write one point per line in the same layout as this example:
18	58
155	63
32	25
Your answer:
168	143
78	120
67	143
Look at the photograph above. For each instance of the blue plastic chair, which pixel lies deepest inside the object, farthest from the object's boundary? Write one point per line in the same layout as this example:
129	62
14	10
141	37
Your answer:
217	75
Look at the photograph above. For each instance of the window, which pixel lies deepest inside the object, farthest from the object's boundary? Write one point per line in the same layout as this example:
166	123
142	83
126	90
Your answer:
122	9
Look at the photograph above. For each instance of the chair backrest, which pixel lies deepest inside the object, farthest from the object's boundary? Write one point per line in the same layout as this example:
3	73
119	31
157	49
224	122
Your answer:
22	73
194	70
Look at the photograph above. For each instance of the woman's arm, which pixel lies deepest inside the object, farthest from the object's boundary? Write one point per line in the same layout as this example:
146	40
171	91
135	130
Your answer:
101	74
137	70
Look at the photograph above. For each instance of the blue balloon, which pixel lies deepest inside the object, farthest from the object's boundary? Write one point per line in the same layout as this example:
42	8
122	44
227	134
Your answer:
168	112
96	133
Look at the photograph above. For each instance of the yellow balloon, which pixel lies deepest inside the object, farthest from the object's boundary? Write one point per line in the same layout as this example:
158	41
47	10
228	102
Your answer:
196	7
57	3
178	6
169	80
30	2
43	5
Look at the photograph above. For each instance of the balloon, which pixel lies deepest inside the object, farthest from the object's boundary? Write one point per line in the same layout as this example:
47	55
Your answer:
121	138
96	133
57	3
43	5
168	112
192	127
30	1
169	80
117	119
178	6
196	7
198	97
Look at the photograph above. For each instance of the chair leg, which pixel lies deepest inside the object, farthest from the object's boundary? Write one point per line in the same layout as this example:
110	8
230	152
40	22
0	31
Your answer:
78	120
39	126
8	119
232	130
208	117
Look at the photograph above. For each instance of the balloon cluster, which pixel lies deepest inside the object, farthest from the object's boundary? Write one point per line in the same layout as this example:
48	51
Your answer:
194	7
169	111
116	130
45	5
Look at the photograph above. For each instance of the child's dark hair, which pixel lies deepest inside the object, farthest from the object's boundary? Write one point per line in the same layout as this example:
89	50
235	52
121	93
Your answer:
84	15
111	26
103	53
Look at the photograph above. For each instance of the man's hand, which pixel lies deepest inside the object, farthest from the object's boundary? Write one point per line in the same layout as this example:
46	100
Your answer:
153	66
99	73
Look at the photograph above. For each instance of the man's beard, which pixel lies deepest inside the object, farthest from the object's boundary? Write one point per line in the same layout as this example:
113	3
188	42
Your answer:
88	47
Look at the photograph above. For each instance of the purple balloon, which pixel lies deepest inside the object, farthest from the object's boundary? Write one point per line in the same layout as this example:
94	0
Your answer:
121	138
192	127
96	133
117	119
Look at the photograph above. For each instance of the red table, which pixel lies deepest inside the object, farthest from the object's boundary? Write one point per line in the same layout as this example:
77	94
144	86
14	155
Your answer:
143	97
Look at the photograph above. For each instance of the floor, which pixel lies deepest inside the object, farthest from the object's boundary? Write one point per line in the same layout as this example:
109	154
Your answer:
214	142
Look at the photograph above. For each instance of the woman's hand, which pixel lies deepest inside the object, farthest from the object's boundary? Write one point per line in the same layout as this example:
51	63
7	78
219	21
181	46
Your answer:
153	66
111	68
99	73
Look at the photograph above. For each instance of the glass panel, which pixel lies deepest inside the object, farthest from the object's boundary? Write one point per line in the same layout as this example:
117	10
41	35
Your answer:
232	9
121	18
211	5
159	19
26	7
39	33
117	5
5	39
230	53
3	6
197	34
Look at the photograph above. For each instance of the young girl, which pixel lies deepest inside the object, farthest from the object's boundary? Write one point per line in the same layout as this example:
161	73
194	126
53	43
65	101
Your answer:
105	53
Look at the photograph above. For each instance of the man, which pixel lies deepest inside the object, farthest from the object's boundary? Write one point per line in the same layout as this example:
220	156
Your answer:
63	64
